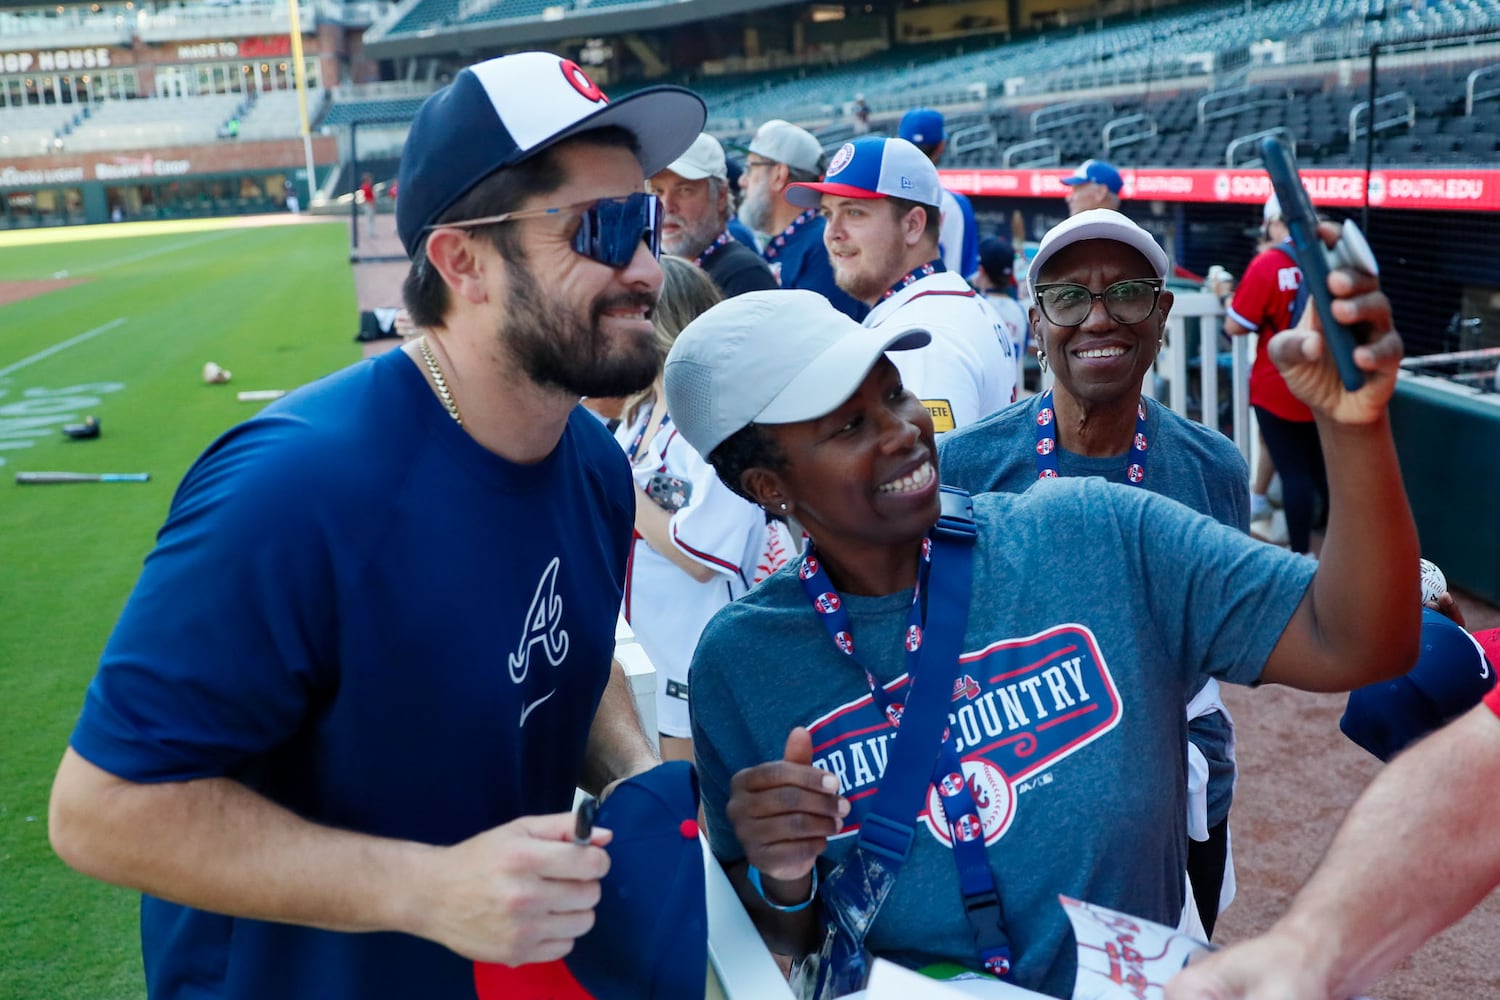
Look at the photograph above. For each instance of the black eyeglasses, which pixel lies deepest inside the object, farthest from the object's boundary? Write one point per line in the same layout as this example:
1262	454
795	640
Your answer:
1064	303
609	230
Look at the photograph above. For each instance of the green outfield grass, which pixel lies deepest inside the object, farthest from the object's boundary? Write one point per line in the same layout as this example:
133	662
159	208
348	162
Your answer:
273	304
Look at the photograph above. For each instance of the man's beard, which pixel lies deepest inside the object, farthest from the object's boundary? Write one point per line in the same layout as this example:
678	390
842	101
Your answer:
555	349
755	210
693	238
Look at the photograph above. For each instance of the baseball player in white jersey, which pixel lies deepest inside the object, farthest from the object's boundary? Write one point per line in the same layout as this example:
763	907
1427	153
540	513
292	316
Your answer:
881	197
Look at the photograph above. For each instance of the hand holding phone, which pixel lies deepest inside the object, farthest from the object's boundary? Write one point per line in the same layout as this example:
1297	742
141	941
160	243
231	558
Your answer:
1315	258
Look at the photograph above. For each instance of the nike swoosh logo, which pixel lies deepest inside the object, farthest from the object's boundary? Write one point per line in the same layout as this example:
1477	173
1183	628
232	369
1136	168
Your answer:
530	708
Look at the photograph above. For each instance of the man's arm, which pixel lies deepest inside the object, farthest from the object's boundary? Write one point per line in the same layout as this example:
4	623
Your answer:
618	746
1416	852
1360	621
521	892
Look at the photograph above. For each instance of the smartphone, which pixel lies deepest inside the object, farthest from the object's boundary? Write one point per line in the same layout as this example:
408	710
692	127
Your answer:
1315	258
670	492
583	823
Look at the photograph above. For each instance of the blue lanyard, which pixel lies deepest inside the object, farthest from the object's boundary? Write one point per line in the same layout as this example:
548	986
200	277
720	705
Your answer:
1046	443
933	266
977	882
713	247
773	248
640	435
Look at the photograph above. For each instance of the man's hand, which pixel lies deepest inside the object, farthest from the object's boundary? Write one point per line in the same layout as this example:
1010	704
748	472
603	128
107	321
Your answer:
522	892
1272	967
784	812
1303	358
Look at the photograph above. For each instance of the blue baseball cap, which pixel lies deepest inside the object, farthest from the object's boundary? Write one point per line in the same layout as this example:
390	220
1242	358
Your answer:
874	167
502	111
1450	677
650	933
922	127
1096	172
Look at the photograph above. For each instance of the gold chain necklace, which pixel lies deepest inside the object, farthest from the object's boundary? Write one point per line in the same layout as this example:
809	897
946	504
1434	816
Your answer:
438	380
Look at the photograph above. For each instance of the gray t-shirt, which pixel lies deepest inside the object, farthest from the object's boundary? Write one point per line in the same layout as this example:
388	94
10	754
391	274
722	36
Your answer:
1094	610
1195	465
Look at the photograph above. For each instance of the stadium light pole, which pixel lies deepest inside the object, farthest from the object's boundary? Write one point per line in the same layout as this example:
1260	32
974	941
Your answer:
299	77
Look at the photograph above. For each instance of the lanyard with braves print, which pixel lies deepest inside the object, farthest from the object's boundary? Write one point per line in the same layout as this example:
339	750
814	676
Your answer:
934	266
1046	443
640	435
774	247
887	831
712	248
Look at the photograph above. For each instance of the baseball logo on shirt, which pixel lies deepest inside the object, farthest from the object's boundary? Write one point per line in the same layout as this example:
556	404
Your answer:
993	798
827	602
543	626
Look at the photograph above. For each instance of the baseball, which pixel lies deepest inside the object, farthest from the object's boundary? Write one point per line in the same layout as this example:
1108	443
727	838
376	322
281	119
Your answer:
1433	581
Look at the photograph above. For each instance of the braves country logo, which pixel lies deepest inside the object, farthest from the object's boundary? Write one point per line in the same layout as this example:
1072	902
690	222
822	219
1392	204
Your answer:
1045	446
1140	442
827	602
543	626
1020	708
1135	473
841	159
1044	417
809	568
844	641
913	638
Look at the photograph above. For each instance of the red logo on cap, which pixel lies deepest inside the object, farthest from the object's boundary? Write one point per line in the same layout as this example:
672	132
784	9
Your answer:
580	81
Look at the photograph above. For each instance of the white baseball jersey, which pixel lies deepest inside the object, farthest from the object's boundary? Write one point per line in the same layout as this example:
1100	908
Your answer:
1013	321
969	369
666	608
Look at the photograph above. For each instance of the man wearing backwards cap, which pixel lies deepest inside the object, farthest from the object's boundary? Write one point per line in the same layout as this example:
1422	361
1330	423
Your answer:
1095	184
880	199
370	657
1091	424
694	192
782	154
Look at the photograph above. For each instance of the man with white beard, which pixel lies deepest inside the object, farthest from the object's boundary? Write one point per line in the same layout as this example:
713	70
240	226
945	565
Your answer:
694	193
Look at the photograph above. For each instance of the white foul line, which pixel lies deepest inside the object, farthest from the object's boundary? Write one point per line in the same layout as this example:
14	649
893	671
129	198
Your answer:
39	355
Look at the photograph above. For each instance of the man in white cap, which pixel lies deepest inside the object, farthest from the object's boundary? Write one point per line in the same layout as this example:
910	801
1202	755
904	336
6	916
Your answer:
782	154
1095	184
370	657
880	199
694	193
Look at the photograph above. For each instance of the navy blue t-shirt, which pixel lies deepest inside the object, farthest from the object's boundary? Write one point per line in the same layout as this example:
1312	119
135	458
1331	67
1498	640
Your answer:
356	610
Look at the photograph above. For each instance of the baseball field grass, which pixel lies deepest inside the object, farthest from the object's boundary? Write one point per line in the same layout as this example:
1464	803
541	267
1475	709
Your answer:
116	322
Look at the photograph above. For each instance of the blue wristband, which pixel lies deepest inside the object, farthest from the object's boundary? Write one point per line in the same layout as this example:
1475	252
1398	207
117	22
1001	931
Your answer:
794	908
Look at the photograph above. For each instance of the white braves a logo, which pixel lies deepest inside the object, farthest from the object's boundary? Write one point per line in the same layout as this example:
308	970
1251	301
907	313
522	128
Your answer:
543	625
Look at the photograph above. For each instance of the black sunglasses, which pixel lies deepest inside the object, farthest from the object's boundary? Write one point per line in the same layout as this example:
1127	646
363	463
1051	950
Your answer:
609	229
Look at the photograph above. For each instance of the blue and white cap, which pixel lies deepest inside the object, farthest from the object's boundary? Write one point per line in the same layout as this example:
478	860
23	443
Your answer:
873	167
501	111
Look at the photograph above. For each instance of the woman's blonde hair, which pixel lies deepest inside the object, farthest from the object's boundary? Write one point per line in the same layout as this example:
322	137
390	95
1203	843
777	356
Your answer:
686	292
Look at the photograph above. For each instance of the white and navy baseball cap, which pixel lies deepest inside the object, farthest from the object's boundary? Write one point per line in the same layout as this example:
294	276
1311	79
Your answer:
873	167
499	112
771	357
1096	172
1098	224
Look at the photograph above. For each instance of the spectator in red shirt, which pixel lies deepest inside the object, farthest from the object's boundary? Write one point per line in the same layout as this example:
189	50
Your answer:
367	200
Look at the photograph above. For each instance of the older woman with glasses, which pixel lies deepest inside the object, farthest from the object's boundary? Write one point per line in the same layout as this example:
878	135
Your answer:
930	727
1099	310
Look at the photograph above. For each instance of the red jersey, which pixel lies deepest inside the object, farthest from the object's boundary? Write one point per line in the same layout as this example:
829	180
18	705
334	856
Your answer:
1264	303
367	191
